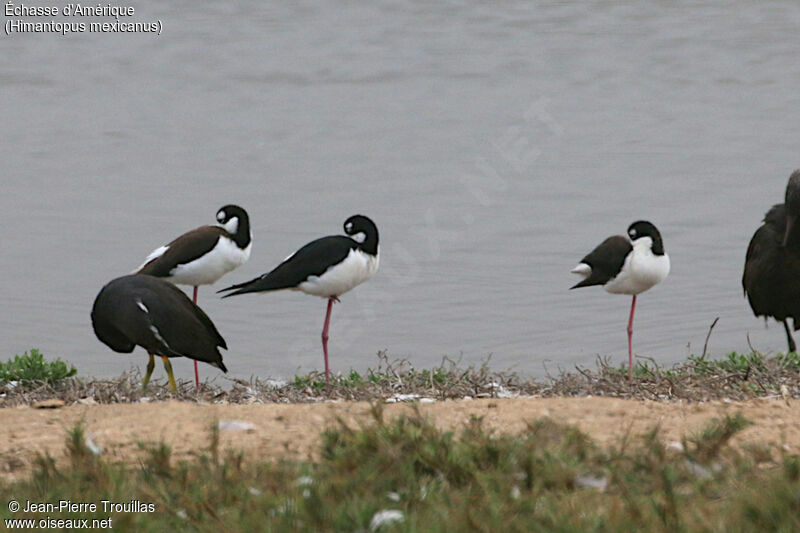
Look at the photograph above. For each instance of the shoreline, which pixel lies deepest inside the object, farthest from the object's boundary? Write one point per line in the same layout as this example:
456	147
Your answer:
123	432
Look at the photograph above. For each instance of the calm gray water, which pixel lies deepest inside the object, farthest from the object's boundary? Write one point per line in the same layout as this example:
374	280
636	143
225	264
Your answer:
493	145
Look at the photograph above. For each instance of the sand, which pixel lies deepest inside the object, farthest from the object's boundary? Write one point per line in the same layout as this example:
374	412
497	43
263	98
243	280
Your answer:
292	430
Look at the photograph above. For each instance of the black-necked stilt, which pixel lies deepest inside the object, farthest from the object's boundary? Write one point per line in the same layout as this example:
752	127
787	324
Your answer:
626	265
771	277
327	267
140	310
203	255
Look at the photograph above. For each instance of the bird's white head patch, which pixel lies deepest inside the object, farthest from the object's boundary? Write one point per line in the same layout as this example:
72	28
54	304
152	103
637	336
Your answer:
232	225
359	237
643	242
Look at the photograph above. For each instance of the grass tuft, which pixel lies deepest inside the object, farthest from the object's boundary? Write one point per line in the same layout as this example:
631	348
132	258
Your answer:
31	367
711	440
550	477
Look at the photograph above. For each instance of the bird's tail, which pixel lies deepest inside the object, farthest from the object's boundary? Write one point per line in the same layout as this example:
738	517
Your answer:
585	283
239	288
585	271
264	283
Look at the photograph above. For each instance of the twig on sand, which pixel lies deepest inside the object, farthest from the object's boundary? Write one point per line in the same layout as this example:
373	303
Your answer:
656	369
708	336
750	344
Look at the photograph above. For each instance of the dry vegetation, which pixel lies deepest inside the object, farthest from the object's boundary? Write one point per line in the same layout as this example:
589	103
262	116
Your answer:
736	377
699	465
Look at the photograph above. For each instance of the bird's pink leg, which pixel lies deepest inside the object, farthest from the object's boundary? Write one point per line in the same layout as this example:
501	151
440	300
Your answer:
630	340
325	338
196	372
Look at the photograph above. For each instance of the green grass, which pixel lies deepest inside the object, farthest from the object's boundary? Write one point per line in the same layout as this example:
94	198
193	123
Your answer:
354	380
744	363
791	359
544	479
731	363
734	362
31	367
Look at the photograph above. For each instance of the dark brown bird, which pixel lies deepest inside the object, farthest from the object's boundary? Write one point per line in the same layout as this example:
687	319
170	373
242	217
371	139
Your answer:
771	277
141	310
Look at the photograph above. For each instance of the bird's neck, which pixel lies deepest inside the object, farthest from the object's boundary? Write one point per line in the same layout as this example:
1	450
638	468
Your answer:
370	243
649	244
242	236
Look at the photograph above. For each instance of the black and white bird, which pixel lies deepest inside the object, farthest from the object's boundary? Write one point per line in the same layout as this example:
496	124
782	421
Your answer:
626	265
203	255
771	278
327	267
141	310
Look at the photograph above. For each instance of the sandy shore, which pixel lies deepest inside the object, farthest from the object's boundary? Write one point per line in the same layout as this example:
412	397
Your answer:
292	430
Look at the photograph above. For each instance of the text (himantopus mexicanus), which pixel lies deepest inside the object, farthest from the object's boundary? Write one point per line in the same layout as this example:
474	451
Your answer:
327	267
626	265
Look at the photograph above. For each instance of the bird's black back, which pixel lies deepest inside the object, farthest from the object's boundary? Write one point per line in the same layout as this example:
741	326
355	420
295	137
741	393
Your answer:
185	249
771	278
313	259
171	325
606	261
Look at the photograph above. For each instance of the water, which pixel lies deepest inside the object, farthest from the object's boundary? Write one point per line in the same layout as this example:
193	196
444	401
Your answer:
493	145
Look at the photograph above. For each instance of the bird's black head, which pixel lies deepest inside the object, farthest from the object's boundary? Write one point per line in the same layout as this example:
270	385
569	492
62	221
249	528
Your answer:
236	222
793	193
792	205
643	228
363	230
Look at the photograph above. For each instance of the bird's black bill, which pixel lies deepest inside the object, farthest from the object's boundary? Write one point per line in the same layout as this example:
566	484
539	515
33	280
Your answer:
790	219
